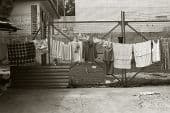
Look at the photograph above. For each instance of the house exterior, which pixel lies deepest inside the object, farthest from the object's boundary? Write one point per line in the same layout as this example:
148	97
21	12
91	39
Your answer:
135	10
30	16
110	10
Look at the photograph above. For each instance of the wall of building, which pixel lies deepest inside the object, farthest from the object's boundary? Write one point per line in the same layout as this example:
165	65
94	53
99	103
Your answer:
96	10
21	16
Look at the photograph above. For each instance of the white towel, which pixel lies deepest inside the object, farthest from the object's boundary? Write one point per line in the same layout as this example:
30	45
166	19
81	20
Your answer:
67	52
142	54
156	51
60	51
122	55
77	48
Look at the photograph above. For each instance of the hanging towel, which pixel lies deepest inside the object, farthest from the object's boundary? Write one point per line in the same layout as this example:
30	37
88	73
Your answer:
142	54
54	49
122	55
58	45
70	51
67	52
60	52
156	51
89	51
76	51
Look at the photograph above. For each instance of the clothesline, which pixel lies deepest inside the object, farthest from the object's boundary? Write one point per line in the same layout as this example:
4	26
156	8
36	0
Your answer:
80	51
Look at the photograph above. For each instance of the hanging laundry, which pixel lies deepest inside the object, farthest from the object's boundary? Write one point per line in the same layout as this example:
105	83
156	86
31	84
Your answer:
89	51
20	54
67	53
69	57
143	54
54	48
108	52
108	58
77	48
122	55
60	51
155	51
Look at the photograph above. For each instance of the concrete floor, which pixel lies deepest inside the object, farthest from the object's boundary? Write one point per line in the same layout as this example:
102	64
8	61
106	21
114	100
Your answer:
87	100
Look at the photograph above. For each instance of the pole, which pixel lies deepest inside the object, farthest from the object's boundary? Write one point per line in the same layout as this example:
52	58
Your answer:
124	41
49	44
110	31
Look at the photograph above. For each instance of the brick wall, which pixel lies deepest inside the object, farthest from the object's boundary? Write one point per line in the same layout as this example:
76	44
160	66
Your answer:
87	10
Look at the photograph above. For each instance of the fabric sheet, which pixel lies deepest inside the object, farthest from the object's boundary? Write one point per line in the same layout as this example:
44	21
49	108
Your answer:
23	53
89	51
156	51
77	48
122	55
143	54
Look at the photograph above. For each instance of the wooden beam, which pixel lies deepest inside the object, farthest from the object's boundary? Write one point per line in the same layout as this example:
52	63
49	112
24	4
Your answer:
54	8
34	37
137	32
110	31
140	21
62	33
136	74
85	21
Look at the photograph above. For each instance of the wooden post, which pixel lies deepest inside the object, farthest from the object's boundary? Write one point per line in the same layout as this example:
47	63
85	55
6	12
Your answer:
124	41
49	44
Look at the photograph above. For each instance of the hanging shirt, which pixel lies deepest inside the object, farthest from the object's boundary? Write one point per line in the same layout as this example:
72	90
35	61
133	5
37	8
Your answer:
156	51
142	54
77	48
122	55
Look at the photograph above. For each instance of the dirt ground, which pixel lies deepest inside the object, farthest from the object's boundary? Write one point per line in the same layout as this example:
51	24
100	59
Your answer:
148	99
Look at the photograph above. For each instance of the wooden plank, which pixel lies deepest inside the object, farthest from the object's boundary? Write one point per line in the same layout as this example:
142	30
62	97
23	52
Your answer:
40	84
40	74
40	70
41	80
41	67
40	87
40	77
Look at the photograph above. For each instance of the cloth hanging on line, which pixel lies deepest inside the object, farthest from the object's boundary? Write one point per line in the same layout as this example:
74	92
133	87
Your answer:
109	69
77	49
61	52
108	58
122	55
156	51
23	53
108	54
143	54
67	52
54	48
89	51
